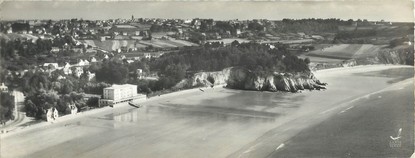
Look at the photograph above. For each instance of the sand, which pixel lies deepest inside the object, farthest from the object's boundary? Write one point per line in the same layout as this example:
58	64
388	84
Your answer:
218	122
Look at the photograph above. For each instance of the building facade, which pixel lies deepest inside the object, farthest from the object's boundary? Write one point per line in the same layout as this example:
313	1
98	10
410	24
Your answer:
118	94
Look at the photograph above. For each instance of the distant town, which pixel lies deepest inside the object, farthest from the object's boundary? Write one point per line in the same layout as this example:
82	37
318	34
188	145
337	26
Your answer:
56	68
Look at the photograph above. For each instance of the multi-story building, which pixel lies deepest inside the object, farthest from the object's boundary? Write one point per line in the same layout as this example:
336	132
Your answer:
119	93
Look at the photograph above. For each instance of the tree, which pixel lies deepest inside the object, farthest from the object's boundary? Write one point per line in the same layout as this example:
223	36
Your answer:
235	43
92	102
6	107
37	104
307	60
112	72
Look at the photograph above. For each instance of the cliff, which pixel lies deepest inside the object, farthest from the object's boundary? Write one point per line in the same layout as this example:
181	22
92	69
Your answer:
241	78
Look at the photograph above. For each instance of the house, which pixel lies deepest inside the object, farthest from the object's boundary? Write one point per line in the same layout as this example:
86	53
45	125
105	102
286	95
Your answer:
90	75
78	71
93	60
119	93
83	62
139	73
54	50
238	31
129	61
86	62
147	55
67	69
4	88
60	77
51	114
71	109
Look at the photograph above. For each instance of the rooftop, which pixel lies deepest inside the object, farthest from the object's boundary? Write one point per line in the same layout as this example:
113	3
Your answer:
116	86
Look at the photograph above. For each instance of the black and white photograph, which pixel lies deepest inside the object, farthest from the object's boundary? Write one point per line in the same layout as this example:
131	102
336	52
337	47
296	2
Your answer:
207	79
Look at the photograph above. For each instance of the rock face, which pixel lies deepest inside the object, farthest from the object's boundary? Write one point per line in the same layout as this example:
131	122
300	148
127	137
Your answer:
241	78
244	79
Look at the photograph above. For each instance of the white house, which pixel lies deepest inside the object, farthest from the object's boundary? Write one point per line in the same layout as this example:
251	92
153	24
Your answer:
71	109
4	88
147	55
67	69
54	50
82	62
93	60
78	71
51	114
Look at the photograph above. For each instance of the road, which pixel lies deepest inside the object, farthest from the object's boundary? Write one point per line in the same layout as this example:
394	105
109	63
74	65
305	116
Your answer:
20	117
361	109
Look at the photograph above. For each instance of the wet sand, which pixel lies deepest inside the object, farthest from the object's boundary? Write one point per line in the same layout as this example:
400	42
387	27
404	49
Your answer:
215	123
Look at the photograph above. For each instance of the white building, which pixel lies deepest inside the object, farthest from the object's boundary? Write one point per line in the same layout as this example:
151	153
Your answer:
147	55
83	62
51	114
93	60
71	109
4	88
78	71
67	69
120	93
90	75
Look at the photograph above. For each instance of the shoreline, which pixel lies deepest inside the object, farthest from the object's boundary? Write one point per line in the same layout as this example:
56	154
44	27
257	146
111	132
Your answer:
65	118
107	109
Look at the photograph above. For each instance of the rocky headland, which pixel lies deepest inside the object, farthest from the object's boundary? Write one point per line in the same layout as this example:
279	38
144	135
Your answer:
242	78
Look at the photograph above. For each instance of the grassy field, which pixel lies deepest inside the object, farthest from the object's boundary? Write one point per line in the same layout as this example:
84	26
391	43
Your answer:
229	40
346	51
115	44
13	36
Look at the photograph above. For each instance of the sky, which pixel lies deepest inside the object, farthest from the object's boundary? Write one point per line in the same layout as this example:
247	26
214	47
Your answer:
372	10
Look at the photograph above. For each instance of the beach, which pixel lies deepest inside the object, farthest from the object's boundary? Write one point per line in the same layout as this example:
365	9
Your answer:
215	122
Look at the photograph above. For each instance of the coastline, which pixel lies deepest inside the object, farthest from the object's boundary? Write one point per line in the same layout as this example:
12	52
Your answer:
66	118
102	110
192	118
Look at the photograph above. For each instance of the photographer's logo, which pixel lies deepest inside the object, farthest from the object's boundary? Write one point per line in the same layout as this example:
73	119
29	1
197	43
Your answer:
396	142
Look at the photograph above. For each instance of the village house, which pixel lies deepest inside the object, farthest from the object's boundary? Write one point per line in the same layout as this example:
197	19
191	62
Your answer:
71	109
67	69
78	71
83	62
51	114
147	55
3	88
54	50
93	60
90	75
9	30
139	73
60	77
